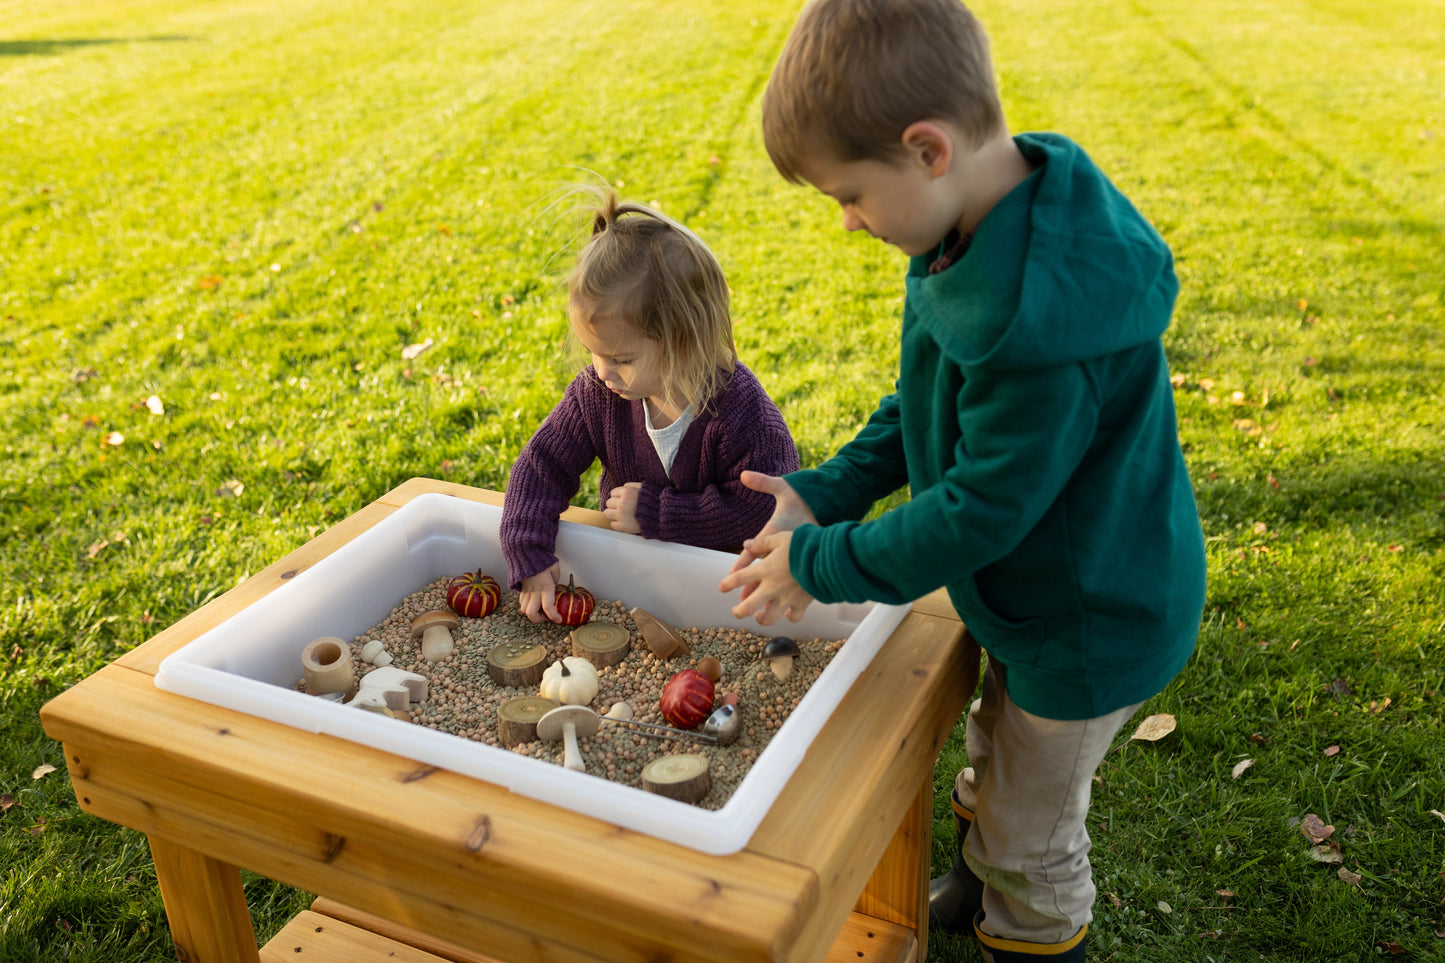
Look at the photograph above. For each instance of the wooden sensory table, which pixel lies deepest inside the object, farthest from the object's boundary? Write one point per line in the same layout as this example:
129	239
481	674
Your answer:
416	863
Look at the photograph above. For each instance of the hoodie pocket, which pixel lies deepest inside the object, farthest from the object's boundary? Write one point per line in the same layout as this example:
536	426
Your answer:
1016	642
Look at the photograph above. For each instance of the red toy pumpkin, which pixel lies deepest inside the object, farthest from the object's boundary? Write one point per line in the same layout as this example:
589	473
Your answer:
687	699
574	604
473	594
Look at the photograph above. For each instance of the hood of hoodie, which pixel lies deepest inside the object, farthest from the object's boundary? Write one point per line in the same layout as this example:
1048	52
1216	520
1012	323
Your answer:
1063	269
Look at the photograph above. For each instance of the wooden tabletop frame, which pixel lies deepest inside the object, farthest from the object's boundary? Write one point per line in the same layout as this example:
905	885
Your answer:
426	864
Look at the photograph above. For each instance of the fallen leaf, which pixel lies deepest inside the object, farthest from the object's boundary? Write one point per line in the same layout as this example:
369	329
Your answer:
1240	767
412	350
1389	946
1155	727
1226	893
1164	907
230	488
1379	707
1332	750
1339	688
82	375
42	770
6	801
210	281
1352	878
1326	853
96	548
1436	812
155	406
1315	829
114	439
444	230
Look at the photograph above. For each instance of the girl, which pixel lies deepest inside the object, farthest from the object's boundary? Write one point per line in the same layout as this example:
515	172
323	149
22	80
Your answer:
665	405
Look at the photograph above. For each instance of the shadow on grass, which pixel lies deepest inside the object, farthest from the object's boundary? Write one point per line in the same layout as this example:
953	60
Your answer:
25	48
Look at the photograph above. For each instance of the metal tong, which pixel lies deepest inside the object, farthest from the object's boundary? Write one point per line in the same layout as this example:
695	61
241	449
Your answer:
663	732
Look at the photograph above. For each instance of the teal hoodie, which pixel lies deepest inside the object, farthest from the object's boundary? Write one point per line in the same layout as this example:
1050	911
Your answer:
1033	421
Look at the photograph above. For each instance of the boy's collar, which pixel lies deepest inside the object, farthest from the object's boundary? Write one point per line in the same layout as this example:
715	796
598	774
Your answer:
950	249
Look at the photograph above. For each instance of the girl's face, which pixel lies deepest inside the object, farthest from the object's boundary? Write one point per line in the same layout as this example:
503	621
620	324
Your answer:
624	360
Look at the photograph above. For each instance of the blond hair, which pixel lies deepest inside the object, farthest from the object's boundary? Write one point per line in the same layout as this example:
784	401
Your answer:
646	269
854	74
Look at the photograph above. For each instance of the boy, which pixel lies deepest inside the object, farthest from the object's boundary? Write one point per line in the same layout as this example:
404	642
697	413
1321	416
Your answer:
1033	421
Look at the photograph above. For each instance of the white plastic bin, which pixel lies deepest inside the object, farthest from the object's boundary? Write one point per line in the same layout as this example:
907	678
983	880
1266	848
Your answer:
250	661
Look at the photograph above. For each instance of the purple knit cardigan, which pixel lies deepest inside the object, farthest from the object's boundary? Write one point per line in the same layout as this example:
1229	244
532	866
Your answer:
701	502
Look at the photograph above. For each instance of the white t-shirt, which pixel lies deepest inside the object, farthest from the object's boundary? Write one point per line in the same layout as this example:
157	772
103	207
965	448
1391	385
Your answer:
666	440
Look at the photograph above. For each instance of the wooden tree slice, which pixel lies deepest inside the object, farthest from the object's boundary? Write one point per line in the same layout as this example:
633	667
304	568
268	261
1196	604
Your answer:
660	637
601	643
517	718
684	777
517	663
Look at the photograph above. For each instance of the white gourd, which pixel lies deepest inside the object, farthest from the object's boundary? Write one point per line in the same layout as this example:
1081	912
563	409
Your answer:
577	686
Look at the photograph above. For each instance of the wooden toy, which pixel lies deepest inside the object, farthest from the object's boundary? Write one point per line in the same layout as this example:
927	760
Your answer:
473	594
601	643
779	654
326	665
567	723
435	630
685	777
390	687
517	664
517	718
660	637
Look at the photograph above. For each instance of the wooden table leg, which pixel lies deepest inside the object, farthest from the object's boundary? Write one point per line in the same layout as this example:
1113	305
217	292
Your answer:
205	904
898	889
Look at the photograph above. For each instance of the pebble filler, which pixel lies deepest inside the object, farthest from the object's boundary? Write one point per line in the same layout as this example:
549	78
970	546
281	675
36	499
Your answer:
466	692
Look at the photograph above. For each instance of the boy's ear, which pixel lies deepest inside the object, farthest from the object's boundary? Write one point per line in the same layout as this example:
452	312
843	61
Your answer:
930	145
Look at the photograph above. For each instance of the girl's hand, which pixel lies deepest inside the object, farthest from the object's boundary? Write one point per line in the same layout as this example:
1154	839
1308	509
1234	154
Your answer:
621	508
790	512
538	596
769	589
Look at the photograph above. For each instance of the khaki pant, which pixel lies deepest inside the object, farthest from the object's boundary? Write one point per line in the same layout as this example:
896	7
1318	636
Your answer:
1028	785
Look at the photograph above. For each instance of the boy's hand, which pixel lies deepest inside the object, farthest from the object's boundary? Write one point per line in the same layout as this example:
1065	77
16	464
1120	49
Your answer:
621	508
790	512
769	589
538	596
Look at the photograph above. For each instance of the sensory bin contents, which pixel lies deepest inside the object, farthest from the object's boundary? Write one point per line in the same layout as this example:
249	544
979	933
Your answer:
463	698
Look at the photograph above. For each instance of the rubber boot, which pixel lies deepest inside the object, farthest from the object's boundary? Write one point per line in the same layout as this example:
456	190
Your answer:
996	949
956	897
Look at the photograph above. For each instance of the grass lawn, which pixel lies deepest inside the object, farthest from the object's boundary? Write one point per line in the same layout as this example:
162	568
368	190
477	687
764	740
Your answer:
222	223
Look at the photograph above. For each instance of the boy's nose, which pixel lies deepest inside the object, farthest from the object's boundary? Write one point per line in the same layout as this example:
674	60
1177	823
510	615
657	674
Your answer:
851	221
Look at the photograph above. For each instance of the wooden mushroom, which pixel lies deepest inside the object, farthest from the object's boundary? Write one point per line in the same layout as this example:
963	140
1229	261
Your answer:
779	654
435	629
685	777
660	637
517	718
567	723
